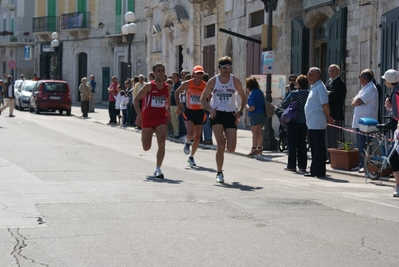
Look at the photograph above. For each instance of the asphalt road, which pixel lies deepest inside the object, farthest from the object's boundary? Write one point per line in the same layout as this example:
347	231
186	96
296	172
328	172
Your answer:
78	193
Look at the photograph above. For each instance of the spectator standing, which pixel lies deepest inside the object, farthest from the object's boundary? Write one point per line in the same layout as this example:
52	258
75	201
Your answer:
118	99
297	129
153	115
85	90
336	89
9	96
256	113
206	127
365	105
223	110
112	92
391	79
129	108
93	85
317	112
123	107
35	77
173	106
137	87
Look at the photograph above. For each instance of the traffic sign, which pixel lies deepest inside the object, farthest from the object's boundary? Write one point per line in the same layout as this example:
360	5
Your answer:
12	64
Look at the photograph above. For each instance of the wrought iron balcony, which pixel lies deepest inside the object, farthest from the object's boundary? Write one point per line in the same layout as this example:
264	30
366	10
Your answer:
75	21
17	38
45	24
9	4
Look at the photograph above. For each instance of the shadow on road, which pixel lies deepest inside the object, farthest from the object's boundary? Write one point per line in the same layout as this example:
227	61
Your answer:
333	180
165	180
236	185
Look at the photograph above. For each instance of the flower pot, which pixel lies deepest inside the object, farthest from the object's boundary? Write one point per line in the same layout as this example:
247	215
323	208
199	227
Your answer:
342	159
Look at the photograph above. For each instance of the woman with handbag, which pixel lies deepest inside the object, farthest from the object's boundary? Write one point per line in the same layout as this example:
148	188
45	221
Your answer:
296	128
256	112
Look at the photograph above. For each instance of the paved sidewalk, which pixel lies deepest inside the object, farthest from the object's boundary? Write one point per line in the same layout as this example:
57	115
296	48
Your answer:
244	142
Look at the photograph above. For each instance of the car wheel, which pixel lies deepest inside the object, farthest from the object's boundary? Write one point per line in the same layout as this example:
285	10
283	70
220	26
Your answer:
30	108
68	112
20	106
60	111
15	104
37	110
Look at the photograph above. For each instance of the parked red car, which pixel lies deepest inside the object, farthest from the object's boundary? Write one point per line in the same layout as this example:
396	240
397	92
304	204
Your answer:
51	95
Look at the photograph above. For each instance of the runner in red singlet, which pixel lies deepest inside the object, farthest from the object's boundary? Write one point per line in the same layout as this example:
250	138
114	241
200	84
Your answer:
154	115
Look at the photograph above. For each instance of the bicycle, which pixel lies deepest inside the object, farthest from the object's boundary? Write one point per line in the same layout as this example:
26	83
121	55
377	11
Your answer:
376	154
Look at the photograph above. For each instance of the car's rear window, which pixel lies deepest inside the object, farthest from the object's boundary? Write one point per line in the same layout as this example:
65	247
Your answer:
28	87
55	87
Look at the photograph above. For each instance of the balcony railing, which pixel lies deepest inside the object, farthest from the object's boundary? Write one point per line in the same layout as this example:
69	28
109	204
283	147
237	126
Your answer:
77	20
45	24
17	38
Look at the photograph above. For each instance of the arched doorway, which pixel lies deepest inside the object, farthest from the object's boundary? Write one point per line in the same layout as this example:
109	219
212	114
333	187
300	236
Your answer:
82	70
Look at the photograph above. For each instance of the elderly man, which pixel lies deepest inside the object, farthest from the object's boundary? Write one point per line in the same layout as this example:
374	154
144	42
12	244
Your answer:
365	105
317	112
336	89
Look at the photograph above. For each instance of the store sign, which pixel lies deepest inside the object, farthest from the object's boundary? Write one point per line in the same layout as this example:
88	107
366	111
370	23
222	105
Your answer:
27	52
309	4
47	48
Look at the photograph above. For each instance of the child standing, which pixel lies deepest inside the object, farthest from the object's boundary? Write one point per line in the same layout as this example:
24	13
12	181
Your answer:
118	104
123	108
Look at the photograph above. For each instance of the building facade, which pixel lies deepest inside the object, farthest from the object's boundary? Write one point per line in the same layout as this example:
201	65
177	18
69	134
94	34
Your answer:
16	39
90	42
183	33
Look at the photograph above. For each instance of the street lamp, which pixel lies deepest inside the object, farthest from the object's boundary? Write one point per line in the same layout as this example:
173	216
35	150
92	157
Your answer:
54	44
269	142
129	29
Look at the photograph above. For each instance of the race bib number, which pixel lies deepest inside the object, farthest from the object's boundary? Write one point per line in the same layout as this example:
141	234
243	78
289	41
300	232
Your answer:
224	98
195	99
158	101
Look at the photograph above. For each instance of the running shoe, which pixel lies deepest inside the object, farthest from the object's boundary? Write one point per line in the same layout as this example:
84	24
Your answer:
219	178
396	192
158	174
191	161
186	148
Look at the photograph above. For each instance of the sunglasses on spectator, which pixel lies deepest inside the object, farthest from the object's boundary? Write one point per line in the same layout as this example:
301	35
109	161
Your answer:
225	67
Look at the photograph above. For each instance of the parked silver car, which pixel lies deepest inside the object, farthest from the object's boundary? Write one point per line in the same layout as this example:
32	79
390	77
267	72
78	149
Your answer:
23	93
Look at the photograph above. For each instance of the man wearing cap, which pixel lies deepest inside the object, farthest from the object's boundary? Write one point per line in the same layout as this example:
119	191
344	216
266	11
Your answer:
391	80
365	105
194	114
223	110
9	96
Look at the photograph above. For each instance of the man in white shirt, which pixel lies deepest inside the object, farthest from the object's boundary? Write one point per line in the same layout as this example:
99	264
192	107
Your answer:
365	105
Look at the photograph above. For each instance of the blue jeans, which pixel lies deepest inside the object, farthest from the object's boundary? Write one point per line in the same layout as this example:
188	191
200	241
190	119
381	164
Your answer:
361	144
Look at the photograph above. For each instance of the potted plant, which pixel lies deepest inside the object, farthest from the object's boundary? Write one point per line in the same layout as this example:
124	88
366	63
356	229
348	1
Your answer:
4	33
344	157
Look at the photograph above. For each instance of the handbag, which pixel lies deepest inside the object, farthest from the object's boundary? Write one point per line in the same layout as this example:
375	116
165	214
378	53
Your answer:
289	113
269	109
